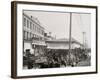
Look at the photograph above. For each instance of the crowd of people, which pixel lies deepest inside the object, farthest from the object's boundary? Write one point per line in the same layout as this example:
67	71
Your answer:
54	59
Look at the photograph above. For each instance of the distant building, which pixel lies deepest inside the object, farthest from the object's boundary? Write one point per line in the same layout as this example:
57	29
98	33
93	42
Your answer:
47	36
33	34
62	44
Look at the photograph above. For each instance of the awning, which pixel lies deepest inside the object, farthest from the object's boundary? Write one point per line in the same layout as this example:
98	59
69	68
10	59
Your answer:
58	48
40	44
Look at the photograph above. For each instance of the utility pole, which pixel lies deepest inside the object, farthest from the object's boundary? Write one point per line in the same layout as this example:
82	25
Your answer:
84	40
70	34
84	43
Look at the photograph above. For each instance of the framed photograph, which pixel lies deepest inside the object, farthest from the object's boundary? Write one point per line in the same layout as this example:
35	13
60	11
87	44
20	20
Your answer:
51	39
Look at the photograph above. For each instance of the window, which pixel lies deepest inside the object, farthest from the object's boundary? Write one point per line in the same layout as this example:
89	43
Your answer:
30	36
30	25
39	30
25	35
42	32
33	26
24	21
27	23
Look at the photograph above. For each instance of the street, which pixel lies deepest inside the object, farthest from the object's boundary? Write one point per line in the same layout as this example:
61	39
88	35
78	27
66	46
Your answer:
86	62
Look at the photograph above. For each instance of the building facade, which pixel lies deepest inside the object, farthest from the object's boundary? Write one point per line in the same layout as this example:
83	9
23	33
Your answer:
33	35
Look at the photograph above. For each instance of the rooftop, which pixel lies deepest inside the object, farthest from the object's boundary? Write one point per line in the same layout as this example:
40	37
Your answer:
64	40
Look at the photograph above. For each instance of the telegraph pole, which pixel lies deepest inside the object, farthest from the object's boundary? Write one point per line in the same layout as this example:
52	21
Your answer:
70	34
84	40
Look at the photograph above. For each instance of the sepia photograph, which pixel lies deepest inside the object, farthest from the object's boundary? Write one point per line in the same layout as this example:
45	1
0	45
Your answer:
53	39
56	39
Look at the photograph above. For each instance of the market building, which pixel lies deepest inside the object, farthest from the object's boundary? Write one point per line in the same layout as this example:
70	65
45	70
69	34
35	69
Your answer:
60	49
62	44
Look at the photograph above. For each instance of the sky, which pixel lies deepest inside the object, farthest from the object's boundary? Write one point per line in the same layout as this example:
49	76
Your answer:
58	24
